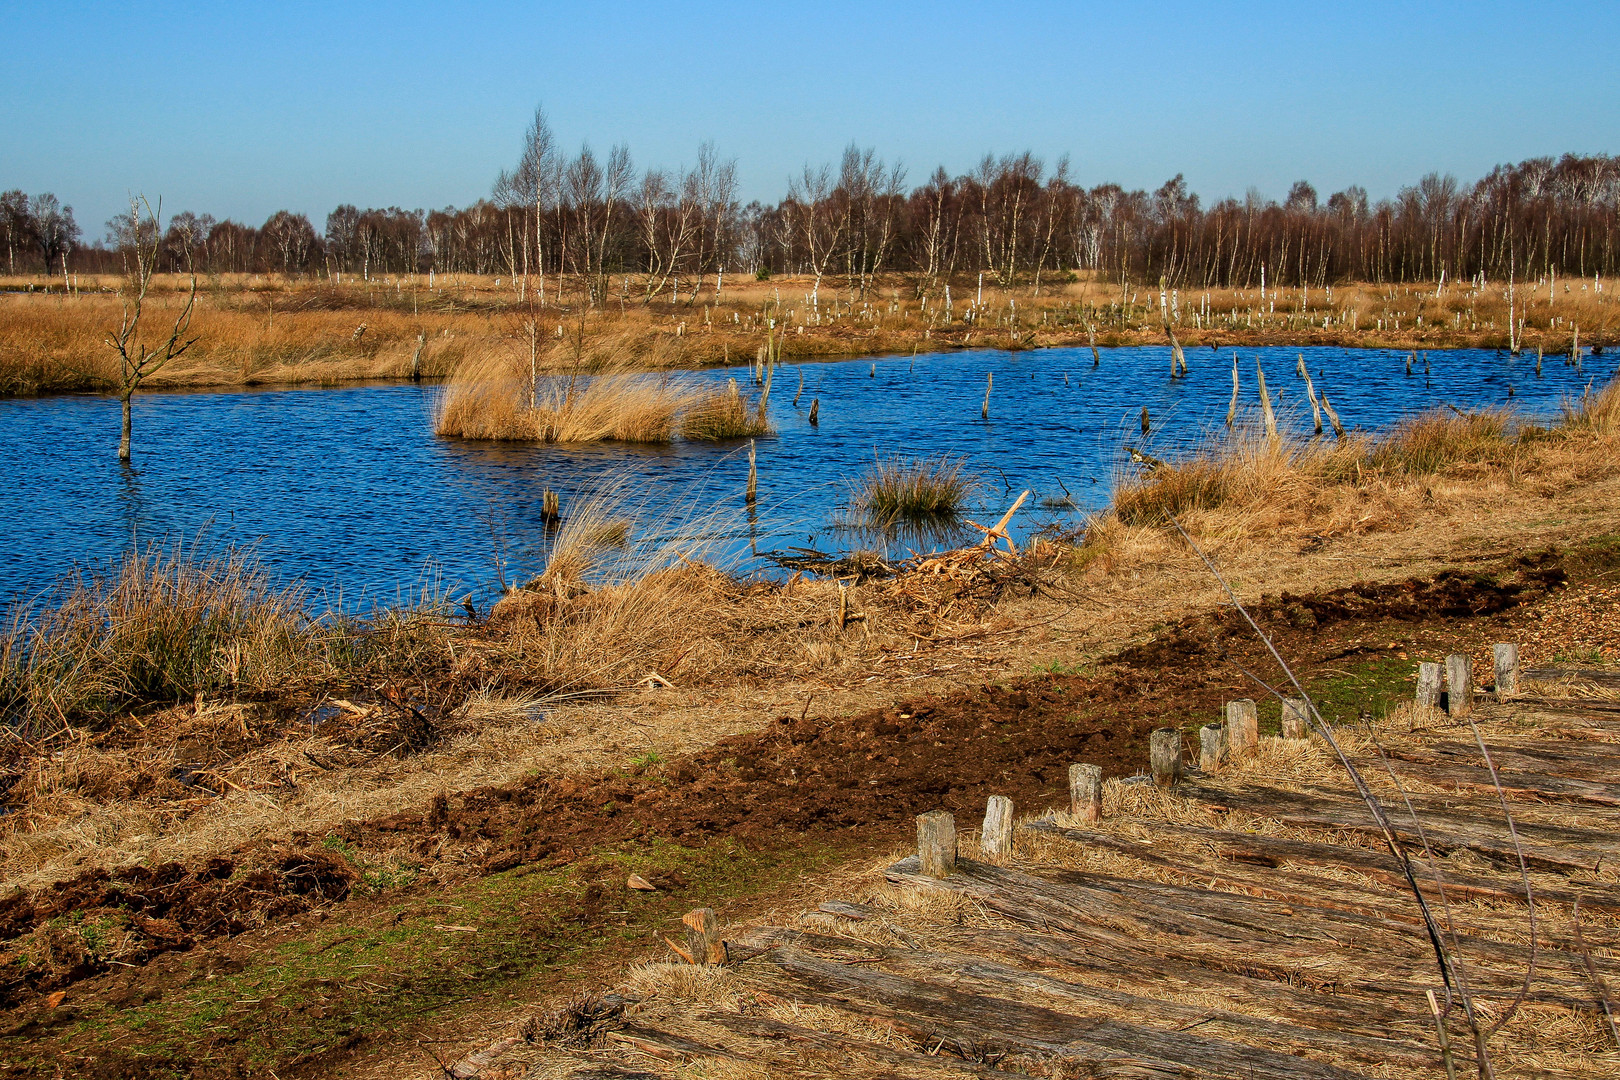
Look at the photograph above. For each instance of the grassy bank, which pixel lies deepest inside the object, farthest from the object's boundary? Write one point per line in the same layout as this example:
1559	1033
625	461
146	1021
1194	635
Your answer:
261	330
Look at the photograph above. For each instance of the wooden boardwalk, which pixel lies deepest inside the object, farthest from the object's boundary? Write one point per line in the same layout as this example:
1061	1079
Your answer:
1249	922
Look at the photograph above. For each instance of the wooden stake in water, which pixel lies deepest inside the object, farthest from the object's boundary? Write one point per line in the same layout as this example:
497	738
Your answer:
550	506
1091	336
1538	361
800	390
989	383
1310	391
1265	404
753	473
815	408
1147	424
1231	410
1333	417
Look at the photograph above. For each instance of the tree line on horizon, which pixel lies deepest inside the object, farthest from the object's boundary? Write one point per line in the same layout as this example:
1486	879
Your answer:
1009	218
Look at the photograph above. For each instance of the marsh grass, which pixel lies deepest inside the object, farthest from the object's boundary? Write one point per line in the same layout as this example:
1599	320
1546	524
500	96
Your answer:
722	416
903	490
1244	484
490	396
163	624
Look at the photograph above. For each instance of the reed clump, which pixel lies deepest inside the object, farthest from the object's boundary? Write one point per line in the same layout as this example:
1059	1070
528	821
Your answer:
900	489
494	396
162	625
722	416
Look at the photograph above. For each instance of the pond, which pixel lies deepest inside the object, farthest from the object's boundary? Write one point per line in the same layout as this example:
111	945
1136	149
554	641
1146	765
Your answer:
349	490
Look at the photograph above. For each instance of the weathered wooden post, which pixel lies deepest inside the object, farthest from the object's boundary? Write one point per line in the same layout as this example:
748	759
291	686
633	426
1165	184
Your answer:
1428	685
936	843
1507	669
1459	684
1211	747
997	839
703	943
1165	756
1085	792
1242	727
989	384
815	412
753	476
1293	718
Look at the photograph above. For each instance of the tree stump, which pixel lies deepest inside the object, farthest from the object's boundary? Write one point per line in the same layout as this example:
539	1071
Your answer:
1085	792
1507	669
997	839
1211	747
936	843
1428	685
1166	756
1242	727
1459	684
1294	725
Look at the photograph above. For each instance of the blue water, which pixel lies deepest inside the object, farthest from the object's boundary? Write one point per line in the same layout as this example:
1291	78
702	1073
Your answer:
351	492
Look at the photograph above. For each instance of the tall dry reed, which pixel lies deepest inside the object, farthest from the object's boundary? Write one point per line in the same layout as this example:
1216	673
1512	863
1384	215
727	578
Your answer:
162	625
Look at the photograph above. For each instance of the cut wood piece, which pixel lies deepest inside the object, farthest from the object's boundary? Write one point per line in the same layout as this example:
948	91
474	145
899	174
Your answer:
845	910
1459	684
1166	756
703	943
1085	792
1301	942
667	1045
1242	728
973	1024
1428	685
936	843
1545	846
997	837
1516	784
1294	725
1211	747
1593	676
764	1028
1271	851
1506	659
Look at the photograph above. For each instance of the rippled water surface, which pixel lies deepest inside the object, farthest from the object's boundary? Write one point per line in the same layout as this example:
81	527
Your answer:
349	489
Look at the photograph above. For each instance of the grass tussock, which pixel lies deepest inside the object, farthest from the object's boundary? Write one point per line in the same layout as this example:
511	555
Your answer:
162	625
491	397
722	416
900	489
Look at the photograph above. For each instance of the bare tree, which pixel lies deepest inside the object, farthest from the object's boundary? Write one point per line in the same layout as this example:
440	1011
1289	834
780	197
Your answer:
137	360
816	221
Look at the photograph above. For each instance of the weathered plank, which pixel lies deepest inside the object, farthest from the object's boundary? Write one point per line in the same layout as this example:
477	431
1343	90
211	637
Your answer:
983	1026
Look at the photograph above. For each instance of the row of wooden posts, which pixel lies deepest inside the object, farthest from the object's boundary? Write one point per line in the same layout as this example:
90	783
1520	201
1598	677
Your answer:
1238	737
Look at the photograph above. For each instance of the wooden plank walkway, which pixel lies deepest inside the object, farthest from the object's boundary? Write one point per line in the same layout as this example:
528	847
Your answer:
1247	923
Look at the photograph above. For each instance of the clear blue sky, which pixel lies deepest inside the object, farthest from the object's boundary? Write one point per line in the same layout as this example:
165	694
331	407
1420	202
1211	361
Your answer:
240	110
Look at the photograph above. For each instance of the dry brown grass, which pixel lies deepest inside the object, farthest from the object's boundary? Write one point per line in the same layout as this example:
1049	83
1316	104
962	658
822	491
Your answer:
162	625
491	397
262	329
1248	486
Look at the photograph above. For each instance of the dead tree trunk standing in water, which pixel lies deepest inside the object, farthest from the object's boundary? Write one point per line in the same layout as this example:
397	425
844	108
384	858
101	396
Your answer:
137	360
